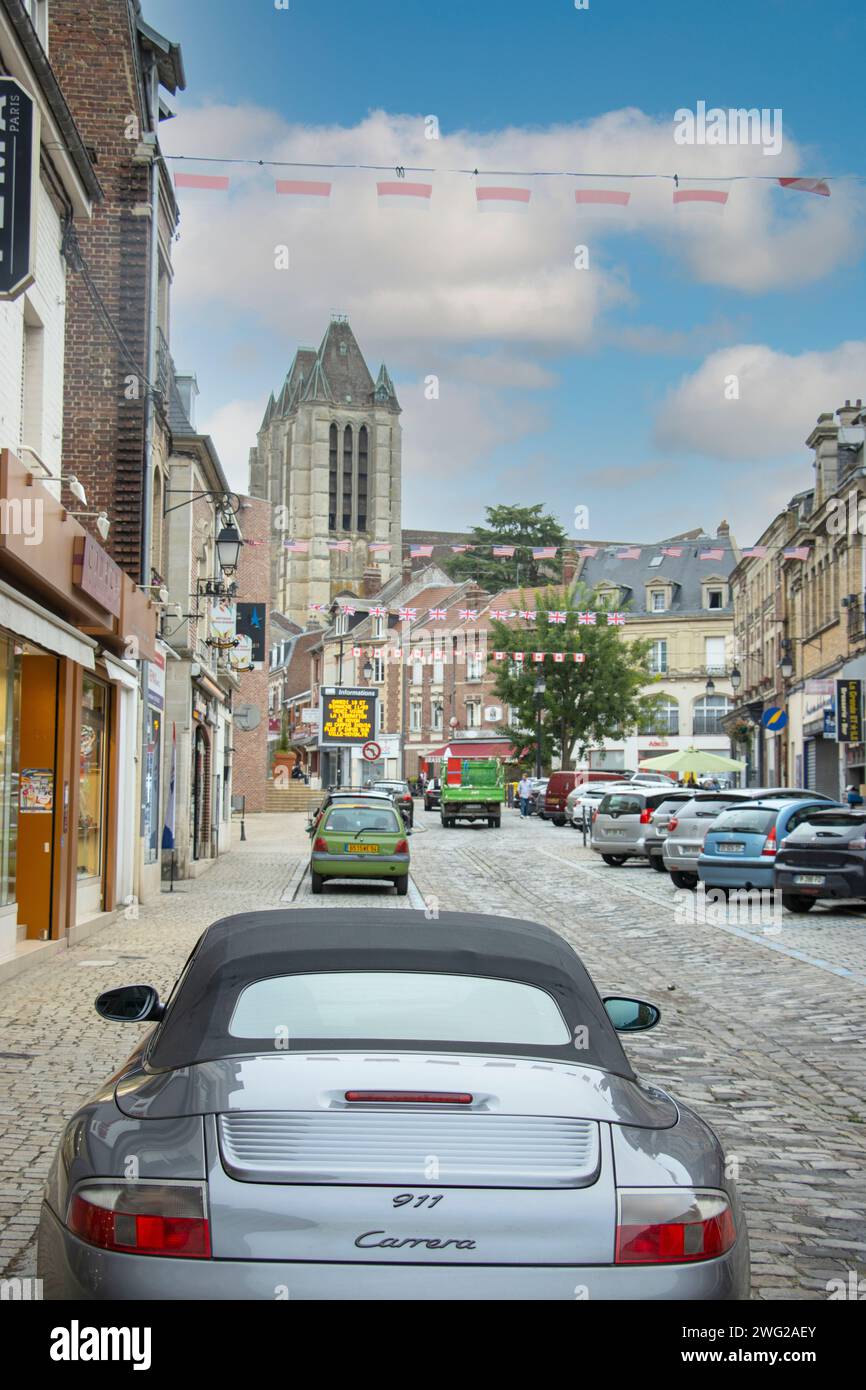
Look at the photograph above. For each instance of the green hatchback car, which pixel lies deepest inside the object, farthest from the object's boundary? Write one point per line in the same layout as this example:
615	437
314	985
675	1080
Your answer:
360	840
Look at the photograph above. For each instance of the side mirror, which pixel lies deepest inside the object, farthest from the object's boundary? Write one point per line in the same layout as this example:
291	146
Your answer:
130	1004
631	1015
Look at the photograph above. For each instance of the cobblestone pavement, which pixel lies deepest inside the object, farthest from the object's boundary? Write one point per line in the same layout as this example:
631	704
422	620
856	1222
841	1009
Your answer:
763	1030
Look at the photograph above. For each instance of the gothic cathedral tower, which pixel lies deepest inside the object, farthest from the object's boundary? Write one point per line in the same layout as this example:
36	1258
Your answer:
328	459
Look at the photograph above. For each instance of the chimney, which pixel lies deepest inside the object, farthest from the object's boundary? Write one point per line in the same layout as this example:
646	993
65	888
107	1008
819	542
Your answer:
848	413
187	389
723	530
407	568
823	439
371	582
569	567
475	597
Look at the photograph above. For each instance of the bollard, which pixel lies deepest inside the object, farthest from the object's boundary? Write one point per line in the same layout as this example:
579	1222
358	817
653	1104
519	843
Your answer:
243	814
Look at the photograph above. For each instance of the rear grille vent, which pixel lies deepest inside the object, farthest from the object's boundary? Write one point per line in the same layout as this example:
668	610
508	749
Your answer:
411	1147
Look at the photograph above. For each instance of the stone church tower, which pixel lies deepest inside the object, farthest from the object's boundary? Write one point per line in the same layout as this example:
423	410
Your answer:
328	459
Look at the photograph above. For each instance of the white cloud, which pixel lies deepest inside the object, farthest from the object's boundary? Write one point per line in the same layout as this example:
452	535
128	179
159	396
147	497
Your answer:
233	428
780	397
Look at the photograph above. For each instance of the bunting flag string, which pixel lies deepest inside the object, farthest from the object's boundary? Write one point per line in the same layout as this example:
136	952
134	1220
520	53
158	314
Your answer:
560	616
582	552
598	193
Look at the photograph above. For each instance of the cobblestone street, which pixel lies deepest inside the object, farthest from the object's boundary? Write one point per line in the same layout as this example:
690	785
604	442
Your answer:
762	1031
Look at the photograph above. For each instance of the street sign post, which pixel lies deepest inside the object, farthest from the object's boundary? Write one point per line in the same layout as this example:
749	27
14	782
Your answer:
19	187
371	752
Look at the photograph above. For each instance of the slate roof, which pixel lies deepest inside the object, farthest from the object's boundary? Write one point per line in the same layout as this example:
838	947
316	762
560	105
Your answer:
685	572
336	373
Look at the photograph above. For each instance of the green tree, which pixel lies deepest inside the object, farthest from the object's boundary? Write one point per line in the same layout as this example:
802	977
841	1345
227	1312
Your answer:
522	527
584	702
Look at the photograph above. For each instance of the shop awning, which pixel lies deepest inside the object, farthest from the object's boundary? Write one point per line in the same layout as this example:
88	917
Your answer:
467	748
29	620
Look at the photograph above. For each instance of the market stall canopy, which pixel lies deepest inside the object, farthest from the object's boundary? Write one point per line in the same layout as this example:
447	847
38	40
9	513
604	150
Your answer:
692	760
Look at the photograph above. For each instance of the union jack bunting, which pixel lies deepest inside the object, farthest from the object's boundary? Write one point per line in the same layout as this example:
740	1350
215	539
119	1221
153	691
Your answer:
437	615
378	611
468	615
559	656
528	614
408	615
348	609
556	617
499	613
675	551
503	550
796	552
616	619
538	656
579	656
543	552
586	619
714	554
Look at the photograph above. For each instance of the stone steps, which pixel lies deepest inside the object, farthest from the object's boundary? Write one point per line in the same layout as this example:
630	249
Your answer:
291	798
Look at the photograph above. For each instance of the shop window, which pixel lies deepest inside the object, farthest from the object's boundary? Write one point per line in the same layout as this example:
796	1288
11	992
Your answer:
10	687
91	789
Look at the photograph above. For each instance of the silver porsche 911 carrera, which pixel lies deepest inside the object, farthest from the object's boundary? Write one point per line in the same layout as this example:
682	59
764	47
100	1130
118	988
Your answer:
355	1105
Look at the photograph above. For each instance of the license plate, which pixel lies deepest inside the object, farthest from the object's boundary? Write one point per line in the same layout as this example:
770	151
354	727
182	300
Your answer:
730	849
809	878
361	849
615	832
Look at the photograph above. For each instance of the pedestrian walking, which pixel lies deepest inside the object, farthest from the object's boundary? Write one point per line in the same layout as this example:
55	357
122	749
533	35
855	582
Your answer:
854	798
523	790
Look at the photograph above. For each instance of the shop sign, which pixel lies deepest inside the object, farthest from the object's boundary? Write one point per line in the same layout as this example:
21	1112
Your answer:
849	711
96	575
829	724
156	682
36	791
19	187
818	696
348	715
199	706
251	624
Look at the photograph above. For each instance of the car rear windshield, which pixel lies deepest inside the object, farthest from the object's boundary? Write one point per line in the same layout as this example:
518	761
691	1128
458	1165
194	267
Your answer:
353	820
842	821
670	805
707	806
404	1006
746	821
391	786
621	804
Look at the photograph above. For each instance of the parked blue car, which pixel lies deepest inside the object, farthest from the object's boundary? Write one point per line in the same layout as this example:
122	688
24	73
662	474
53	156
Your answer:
739	849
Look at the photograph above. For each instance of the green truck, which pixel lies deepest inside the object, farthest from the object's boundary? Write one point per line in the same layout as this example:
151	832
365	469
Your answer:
472	789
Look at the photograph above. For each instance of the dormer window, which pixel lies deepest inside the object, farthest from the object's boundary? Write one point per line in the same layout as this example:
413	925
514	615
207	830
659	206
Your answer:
714	593
715	598
658	601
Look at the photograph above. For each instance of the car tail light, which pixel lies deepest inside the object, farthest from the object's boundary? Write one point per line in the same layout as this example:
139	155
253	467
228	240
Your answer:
770	842
672	823
402	847
856	844
645	816
672	1227
320	844
411	1097
594	814
142	1218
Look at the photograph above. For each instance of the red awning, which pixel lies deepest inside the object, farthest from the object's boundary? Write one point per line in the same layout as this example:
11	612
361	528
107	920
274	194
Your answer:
466	748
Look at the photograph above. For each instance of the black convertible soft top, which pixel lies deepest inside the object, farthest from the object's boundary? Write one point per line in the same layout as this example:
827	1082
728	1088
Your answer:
236	951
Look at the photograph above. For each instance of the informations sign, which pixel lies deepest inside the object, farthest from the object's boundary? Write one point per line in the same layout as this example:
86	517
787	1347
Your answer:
849	711
348	715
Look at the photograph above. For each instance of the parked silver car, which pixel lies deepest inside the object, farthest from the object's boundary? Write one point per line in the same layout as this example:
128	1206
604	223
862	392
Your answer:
370	1105
587	797
622	821
657	829
687	828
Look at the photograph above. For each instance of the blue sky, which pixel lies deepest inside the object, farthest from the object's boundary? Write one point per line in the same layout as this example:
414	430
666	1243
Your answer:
600	387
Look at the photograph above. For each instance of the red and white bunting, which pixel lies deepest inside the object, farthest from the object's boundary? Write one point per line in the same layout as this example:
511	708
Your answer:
586	620
557	617
317	607
588	552
305	193
713	554
296	547
356	651
714	199
501	198
459	549
217	183
379	547
796	552
559	656
819	186
517	656
503	551
756	552
579	656
538	656
616	199
616	619
674	551
499	656
437	615
544	552
398	193
420	552
631	552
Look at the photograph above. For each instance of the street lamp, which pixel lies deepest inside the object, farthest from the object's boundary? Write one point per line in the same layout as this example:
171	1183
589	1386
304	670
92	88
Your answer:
228	547
710	686
368	670
736	679
786	665
538	696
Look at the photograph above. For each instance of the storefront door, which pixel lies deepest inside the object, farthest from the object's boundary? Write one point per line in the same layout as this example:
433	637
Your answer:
201	772
37	800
